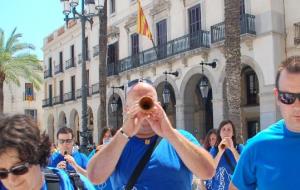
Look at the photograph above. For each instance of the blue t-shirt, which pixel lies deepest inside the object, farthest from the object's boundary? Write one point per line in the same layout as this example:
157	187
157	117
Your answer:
270	160
164	170
224	171
107	184
79	158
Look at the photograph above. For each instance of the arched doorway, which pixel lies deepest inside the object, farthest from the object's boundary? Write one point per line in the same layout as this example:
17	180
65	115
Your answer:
198	111
74	124
62	119
115	110
250	102
169	107
90	125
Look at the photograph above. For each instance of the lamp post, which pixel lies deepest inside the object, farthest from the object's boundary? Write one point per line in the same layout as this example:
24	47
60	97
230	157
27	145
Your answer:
87	13
166	92
204	87
114	103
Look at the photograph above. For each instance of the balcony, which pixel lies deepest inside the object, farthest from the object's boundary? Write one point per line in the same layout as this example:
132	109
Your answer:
47	74
173	47
80	57
70	63
297	34
95	50
95	88
47	102
58	69
58	100
69	96
247	27
78	93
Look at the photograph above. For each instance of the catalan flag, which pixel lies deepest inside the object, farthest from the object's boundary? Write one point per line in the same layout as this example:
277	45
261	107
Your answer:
142	25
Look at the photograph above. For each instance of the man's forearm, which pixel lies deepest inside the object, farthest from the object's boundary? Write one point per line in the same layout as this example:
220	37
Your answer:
196	158
104	162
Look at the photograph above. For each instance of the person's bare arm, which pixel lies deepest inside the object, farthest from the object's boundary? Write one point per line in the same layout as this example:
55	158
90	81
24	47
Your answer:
196	158
103	163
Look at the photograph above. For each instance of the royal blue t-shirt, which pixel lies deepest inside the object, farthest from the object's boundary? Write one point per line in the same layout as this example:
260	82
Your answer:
79	158
224	171
165	169
270	160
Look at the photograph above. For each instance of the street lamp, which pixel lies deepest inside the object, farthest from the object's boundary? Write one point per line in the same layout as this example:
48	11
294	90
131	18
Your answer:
114	103
204	88
87	14
166	92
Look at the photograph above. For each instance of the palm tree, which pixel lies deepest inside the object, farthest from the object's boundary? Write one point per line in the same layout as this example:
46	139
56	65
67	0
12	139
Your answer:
233	63
102	66
16	63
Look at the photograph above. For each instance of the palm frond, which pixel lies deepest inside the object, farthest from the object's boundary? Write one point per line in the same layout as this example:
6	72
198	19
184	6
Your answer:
21	46
13	39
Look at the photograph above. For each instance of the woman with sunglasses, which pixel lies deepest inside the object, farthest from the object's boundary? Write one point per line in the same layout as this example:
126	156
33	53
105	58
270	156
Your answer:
23	155
271	158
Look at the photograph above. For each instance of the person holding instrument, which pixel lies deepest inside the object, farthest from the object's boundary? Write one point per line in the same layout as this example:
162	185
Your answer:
66	158
169	156
226	154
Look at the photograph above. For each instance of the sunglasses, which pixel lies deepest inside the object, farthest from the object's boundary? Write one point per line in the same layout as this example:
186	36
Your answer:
67	141
132	83
15	170
288	97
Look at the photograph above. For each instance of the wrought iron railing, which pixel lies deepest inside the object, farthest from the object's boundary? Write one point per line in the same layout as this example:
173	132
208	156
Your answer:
70	63
173	47
69	96
247	22
47	74
47	102
297	33
58	69
95	88
95	50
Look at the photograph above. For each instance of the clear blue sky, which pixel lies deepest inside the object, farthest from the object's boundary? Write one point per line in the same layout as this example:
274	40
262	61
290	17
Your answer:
35	19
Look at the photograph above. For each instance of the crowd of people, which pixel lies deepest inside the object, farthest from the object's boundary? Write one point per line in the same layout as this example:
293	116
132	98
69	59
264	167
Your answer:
147	152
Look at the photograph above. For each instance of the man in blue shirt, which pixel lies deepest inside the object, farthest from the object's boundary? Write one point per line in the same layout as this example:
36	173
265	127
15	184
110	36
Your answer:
270	160
66	158
172	162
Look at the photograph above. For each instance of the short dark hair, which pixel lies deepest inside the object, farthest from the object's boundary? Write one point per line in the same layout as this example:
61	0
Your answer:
64	130
21	133
222	124
292	65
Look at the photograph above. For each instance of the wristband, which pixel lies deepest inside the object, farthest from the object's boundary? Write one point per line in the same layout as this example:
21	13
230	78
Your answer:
124	134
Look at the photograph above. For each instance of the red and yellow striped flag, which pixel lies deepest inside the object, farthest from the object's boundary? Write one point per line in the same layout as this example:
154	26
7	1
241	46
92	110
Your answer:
142	25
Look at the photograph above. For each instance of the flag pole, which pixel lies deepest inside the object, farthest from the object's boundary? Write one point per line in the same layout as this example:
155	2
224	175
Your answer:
154	47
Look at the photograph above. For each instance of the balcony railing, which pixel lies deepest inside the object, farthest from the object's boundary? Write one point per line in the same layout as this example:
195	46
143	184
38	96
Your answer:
58	69
47	74
58	100
70	63
47	102
78	93
69	96
173	47
80	57
95	88
297	33
95	50
247	27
